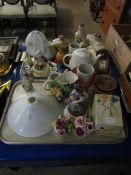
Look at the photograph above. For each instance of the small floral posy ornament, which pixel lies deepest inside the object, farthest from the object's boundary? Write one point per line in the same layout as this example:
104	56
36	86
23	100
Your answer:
80	126
63	126
83	127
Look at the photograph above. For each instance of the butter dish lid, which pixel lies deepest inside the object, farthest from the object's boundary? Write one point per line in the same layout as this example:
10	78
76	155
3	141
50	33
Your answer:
107	111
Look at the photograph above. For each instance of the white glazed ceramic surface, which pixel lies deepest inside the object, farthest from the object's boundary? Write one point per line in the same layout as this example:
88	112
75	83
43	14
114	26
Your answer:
35	41
85	71
79	56
31	116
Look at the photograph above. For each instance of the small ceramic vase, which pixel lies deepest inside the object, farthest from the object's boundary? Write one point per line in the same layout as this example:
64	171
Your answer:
84	43
59	57
80	34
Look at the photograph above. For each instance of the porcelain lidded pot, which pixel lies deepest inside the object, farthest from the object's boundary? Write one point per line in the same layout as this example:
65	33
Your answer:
79	56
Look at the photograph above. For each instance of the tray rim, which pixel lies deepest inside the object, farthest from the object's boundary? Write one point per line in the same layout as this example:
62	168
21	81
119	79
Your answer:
3	120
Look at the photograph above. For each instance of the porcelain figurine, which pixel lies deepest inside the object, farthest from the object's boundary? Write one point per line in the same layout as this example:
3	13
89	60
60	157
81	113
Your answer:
80	34
40	69
26	79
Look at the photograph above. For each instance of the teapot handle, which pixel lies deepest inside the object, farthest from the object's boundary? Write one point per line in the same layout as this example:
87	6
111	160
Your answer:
3	56
97	57
65	64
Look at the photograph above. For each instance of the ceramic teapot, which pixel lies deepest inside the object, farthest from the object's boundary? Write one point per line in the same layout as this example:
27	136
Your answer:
80	56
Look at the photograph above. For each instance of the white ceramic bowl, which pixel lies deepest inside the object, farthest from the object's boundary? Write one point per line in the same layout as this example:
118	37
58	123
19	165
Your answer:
32	116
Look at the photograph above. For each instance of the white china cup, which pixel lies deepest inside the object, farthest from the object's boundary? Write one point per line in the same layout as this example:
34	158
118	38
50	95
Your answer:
73	46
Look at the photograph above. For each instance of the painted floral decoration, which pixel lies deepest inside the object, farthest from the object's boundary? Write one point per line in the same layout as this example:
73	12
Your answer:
108	101
80	126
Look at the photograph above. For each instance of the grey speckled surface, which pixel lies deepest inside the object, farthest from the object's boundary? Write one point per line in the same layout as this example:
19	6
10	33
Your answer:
101	169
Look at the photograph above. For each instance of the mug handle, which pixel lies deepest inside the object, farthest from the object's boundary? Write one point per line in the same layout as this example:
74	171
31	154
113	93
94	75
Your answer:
3	56
65	64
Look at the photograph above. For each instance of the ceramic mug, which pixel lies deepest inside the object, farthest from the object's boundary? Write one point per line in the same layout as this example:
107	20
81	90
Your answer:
73	46
52	76
85	72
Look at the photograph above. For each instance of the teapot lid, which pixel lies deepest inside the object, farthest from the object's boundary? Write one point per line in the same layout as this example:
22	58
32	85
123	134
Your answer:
82	52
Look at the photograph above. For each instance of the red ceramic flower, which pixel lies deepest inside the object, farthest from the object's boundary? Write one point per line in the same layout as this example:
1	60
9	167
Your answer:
79	132
60	123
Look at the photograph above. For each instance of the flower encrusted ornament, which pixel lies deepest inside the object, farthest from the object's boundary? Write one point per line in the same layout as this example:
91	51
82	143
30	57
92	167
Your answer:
83	127
80	126
63	125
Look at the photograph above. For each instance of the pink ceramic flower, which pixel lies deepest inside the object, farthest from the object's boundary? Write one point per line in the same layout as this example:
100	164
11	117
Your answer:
89	127
79	121
80	132
60	132
60	123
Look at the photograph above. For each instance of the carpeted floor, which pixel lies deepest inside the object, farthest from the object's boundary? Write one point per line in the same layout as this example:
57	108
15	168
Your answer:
101	169
71	13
